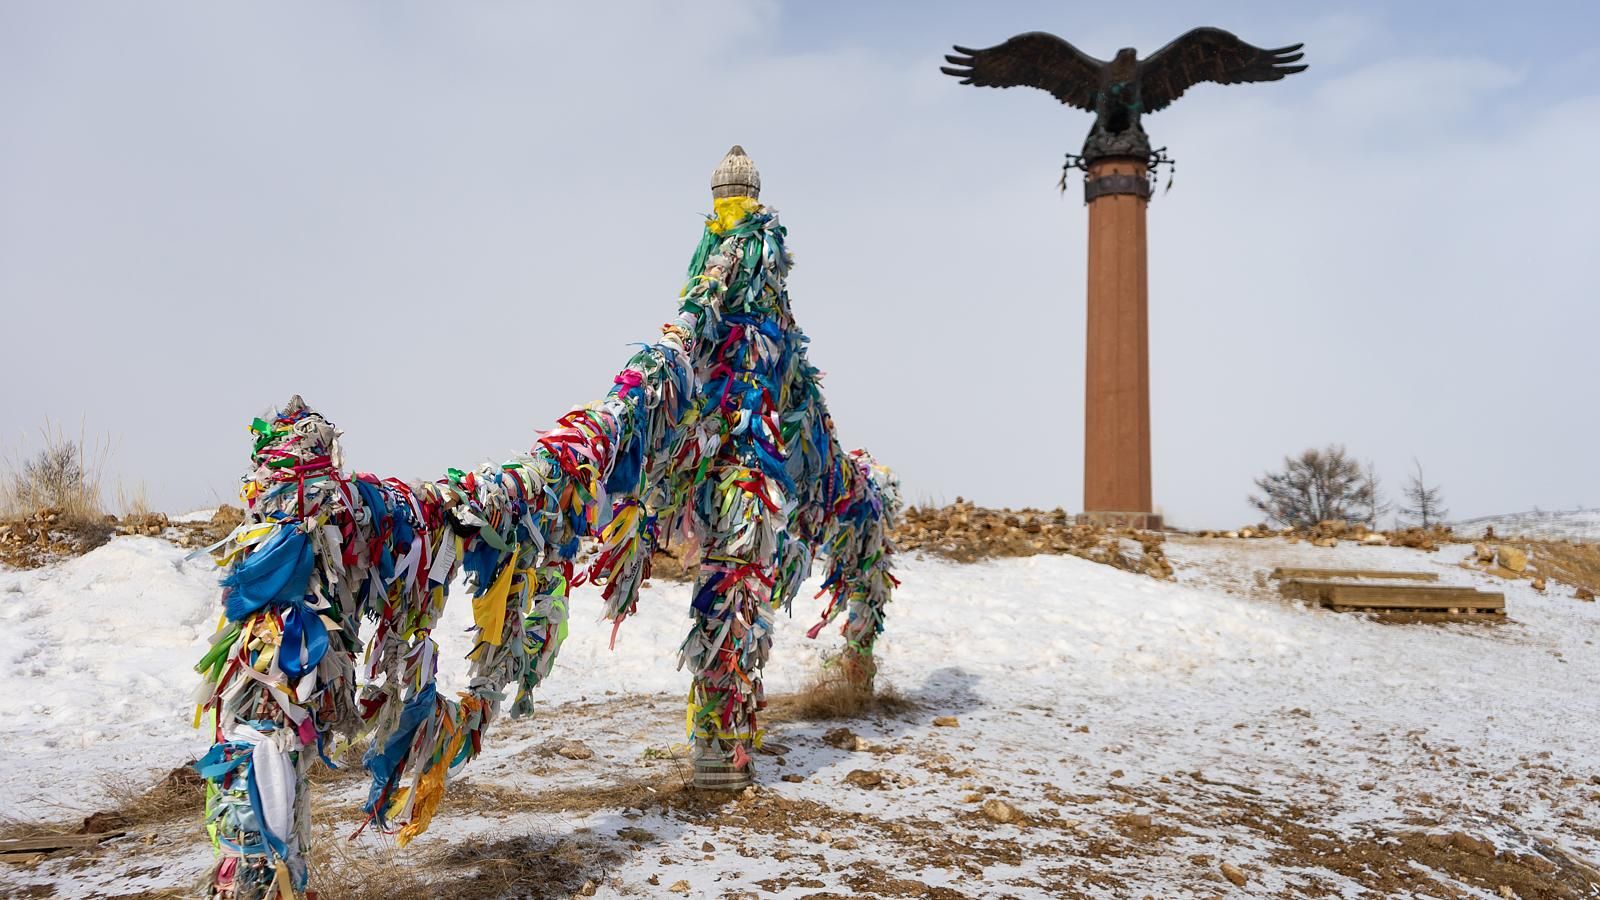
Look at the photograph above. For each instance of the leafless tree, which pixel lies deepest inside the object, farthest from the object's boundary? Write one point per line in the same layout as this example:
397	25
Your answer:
1316	486
1424	505
1377	505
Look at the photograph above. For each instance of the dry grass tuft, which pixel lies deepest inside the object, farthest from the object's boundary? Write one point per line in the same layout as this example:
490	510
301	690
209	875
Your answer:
523	866
831	694
133	502
180	794
348	871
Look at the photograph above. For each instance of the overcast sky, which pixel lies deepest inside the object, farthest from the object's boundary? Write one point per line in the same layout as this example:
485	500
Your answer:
445	223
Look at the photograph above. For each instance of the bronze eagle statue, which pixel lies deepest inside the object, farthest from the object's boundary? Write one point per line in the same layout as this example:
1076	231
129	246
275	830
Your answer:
1120	91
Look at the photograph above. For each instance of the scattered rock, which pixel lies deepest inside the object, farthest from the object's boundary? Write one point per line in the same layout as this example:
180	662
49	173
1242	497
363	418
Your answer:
574	750
1511	559
1000	812
708	847
681	886
1234	874
864	779
1469	844
965	532
845	843
794	778
947	721
1584	594
843	738
1539	583
588	889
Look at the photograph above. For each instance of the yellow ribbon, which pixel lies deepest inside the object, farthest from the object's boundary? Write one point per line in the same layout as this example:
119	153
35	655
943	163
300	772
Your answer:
489	610
728	212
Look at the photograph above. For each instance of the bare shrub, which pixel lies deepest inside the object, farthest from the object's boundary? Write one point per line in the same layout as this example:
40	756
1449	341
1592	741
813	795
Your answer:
64	475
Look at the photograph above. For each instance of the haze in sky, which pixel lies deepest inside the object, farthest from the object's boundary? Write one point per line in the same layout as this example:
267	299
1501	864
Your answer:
445	224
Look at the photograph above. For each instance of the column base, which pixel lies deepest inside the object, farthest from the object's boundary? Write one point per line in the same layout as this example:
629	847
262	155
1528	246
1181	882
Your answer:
714	769
1144	521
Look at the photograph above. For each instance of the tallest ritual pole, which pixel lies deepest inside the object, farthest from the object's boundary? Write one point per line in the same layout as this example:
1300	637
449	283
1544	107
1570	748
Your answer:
1116	427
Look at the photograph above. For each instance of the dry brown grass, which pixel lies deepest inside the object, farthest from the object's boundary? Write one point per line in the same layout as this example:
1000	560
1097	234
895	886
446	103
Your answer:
1577	564
349	871
830	694
133	502
522	866
179	795
474	868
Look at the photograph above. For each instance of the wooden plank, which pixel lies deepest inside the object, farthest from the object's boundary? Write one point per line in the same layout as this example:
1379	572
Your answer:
1317	591
50	843
1407	597
1285	572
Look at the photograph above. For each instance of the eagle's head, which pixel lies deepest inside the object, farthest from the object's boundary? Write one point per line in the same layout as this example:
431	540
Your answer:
1124	67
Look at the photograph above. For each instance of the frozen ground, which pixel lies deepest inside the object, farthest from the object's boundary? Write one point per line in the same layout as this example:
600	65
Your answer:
1149	732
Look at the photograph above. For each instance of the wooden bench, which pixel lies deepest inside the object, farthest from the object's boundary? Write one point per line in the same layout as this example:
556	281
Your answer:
1377	574
1399	601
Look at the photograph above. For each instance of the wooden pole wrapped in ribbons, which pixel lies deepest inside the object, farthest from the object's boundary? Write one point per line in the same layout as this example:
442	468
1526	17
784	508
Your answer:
718	433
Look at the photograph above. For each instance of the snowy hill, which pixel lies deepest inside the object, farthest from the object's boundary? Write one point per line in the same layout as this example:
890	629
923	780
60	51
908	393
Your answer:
1574	525
1146	732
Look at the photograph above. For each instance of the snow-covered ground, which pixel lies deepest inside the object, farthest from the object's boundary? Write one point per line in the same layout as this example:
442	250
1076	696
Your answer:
1561	525
1149	732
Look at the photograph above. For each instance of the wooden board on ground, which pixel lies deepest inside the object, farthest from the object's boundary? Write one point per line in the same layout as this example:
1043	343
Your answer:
51	843
1285	572
1428	617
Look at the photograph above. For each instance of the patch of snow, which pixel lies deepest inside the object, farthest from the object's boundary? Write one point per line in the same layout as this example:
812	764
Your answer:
1569	525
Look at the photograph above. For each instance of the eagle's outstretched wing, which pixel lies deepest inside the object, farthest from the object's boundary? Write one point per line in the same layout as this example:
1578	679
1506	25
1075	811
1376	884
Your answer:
1035	59
1209	54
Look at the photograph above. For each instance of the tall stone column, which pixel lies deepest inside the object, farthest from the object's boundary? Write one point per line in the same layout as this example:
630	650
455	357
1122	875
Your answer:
1116	453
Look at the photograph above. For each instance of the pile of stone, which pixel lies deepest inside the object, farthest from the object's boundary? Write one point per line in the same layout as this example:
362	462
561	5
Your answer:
1330	533
30	541
50	535
965	532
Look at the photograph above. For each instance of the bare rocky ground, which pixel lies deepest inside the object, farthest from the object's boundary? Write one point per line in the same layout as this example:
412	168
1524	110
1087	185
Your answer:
928	809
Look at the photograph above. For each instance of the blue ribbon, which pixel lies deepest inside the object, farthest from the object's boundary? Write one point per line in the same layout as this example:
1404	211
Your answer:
385	764
279	573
